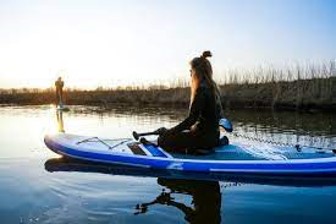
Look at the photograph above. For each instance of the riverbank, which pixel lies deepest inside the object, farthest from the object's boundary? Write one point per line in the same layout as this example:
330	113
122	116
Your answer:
300	95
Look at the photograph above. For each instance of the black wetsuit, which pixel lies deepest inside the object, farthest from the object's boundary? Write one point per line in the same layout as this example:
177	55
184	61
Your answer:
200	129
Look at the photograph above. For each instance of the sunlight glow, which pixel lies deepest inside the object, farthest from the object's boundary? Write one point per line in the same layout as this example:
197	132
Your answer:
118	43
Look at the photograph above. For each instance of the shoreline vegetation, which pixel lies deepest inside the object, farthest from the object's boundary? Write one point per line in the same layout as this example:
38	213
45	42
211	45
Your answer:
309	88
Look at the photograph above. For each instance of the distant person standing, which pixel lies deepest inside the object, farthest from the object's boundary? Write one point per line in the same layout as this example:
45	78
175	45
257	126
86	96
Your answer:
59	91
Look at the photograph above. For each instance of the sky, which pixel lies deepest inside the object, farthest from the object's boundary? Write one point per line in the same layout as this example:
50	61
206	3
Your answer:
127	42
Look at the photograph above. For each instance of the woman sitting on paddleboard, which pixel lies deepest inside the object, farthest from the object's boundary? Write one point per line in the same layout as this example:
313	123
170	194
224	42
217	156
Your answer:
200	129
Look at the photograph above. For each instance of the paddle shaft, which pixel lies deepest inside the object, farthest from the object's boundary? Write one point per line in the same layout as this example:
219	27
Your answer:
138	135
224	123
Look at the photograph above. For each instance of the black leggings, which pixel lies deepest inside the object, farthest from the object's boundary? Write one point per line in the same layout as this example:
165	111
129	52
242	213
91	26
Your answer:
188	141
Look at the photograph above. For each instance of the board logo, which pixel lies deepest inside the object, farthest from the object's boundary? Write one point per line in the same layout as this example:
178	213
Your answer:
175	166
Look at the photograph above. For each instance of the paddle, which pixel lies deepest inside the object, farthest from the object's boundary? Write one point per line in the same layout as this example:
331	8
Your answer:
224	123
136	135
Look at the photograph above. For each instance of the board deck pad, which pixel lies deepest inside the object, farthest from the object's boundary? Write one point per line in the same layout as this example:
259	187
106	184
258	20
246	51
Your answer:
155	150
136	149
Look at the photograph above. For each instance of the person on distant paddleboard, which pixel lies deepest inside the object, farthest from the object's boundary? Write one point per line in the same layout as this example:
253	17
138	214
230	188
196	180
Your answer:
200	129
59	91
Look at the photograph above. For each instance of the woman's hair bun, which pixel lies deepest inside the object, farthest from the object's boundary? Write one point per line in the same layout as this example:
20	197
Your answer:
206	54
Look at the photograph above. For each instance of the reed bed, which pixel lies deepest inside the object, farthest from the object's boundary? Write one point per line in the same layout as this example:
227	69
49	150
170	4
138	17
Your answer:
296	88
310	87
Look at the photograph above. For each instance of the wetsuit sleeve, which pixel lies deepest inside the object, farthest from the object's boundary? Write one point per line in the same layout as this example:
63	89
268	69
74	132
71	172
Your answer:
194	112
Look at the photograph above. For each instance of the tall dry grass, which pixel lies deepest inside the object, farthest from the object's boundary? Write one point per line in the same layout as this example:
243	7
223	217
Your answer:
300	87
297	87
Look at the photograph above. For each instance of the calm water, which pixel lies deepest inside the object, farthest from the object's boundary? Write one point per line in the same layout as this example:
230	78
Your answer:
32	192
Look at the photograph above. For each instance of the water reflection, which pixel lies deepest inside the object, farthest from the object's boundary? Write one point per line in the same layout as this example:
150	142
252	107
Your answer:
287	128
205	195
60	123
74	198
320	124
206	199
281	128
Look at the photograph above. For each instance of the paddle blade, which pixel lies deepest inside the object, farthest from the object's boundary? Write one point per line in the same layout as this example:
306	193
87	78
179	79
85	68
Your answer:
226	124
135	135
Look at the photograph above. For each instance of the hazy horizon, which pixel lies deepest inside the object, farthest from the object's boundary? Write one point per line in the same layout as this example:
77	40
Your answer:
116	43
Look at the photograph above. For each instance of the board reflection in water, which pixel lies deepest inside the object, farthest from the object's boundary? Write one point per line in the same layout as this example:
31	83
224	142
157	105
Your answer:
205	195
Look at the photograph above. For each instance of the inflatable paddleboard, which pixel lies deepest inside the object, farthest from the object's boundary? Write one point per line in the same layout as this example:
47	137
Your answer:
235	158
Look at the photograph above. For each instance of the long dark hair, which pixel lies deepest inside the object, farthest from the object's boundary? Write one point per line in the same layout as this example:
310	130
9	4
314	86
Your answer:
203	70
